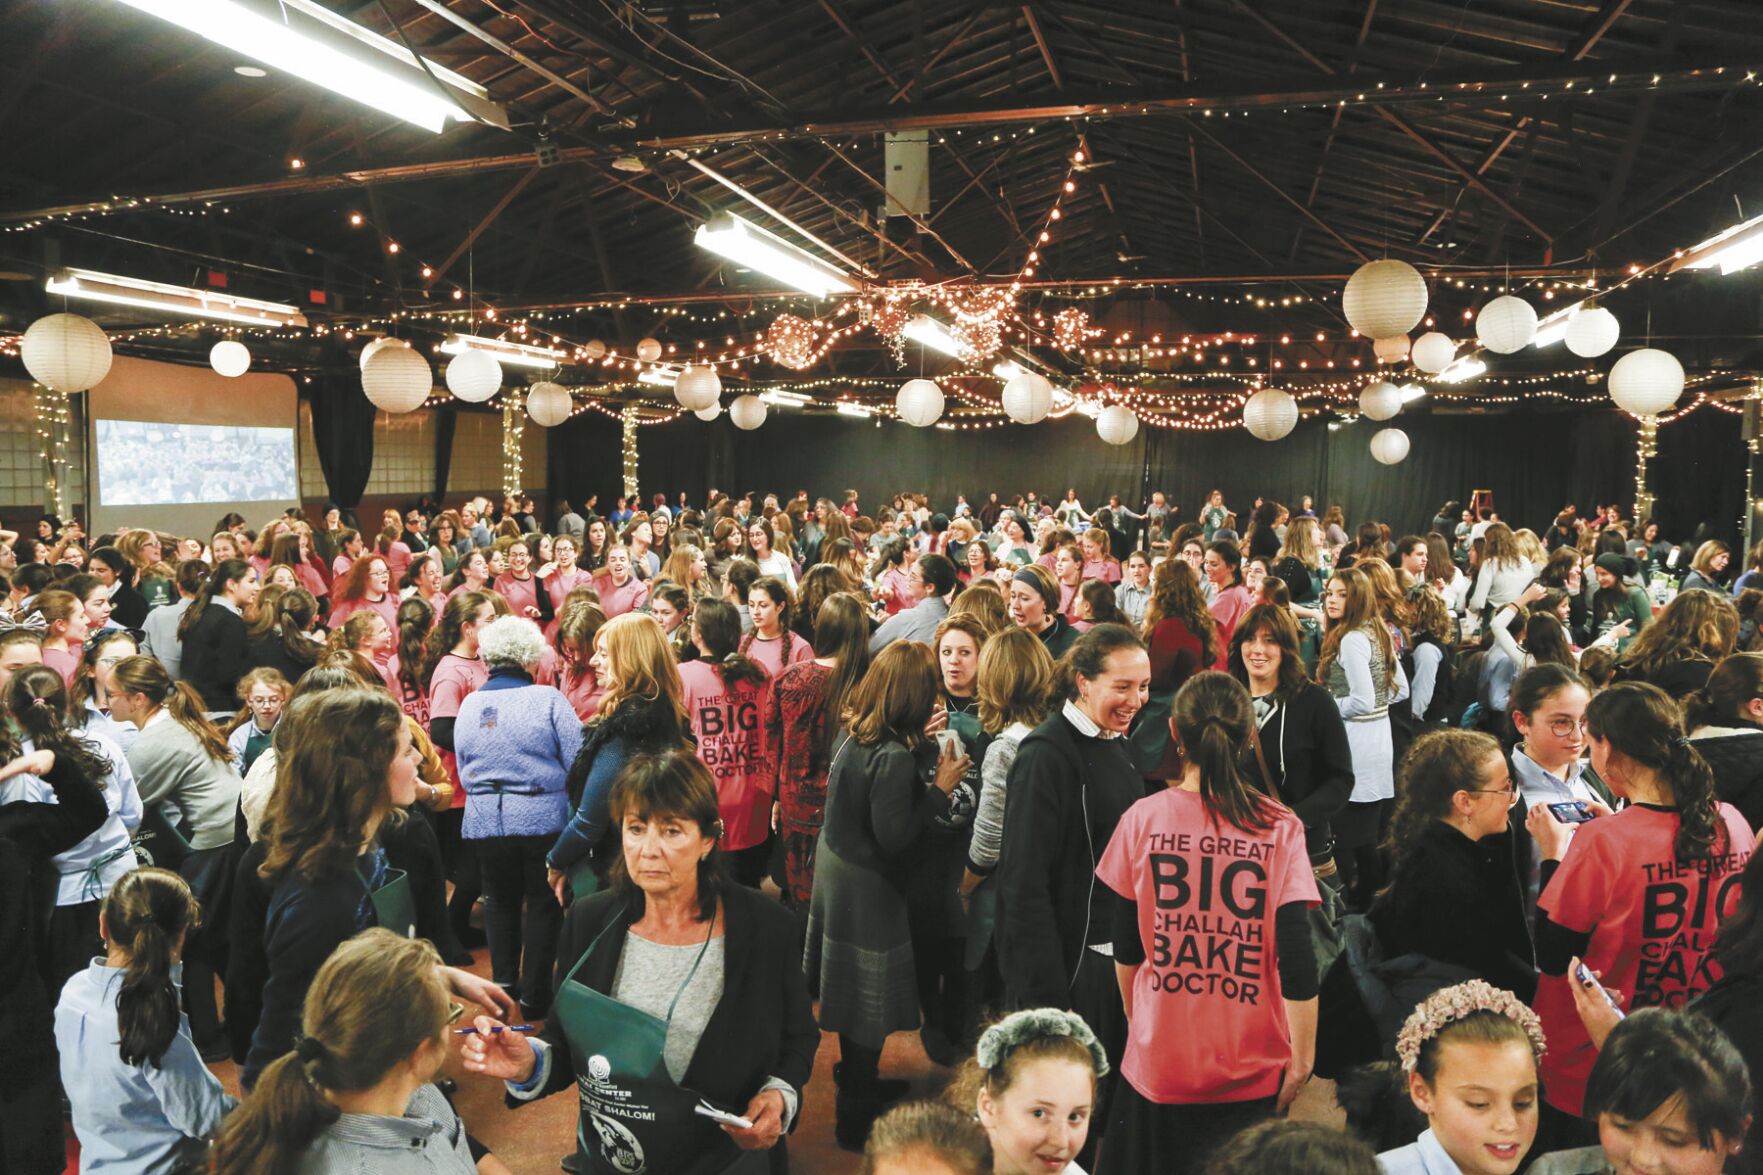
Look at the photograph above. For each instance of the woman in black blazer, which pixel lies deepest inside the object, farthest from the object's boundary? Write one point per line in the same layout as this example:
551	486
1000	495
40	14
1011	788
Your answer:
740	1029
216	650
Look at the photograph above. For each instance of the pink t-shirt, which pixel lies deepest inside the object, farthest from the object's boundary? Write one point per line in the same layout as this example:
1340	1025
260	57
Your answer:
415	704
1209	1021
454	677
1068	600
770	653
1652	922
1106	570
397	560
617	599
63	661
311	580
560	583
521	594
340	566
386	606
1227	609
582	691
726	721
897	584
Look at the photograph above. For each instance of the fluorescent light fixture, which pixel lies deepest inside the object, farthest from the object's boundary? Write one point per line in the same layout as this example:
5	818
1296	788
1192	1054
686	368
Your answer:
852	408
174	300
1411	393
662	377
518	354
1089	408
1739	247
1007	370
928	332
1552	328
745	243
1462	371
785	399
945	425
309	41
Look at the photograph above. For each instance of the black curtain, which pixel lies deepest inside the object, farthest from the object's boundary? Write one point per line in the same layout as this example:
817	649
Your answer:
342	432
446	420
1534	462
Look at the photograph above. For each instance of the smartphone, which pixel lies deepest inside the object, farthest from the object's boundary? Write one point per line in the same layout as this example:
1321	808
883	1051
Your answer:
1572	812
723	1116
1585	976
948	743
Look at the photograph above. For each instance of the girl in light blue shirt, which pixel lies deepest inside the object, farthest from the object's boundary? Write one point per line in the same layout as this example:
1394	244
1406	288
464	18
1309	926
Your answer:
143	1101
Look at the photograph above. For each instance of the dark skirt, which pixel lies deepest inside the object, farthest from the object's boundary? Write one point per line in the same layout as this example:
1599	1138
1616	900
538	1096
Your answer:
858	955
1178	1139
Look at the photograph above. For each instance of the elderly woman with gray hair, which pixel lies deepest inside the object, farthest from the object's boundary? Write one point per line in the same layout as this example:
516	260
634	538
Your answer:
515	741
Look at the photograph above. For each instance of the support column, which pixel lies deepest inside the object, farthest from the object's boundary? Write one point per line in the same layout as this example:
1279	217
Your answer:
513	463
52	419
1646	446
629	417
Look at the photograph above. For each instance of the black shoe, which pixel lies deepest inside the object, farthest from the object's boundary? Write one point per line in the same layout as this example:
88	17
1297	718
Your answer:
215	1051
939	1048
457	956
533	1011
882	1089
470	937
570	1164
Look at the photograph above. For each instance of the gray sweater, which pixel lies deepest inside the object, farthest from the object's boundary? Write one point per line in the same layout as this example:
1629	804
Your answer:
171	767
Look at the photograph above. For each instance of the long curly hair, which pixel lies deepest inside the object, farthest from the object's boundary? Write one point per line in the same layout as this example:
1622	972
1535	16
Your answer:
333	759
1175	595
1696	626
1644	724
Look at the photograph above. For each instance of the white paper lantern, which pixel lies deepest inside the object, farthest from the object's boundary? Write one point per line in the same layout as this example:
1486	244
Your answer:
230	358
548	404
919	402
1027	398
648	350
1506	324
1116	424
1270	414
66	352
474	376
1384	299
1392	350
1592	332
747	412
710	413
1389	445
1433	352
375	346
697	388
1380	401
595	349
397	379
1646	382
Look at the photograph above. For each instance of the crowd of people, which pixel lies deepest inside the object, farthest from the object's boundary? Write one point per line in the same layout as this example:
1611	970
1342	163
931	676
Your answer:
1139	823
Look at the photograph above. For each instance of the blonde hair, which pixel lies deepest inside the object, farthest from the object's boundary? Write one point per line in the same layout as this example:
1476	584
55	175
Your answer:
642	665
1015	682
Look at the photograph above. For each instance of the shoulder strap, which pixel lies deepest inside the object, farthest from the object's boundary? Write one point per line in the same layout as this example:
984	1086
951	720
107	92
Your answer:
1261	761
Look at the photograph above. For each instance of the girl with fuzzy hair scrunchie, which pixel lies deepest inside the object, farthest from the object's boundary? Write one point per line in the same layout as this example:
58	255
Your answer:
1470	1056
1024	1063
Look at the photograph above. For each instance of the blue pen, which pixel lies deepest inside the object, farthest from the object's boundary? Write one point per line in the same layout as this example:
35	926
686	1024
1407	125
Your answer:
497	1028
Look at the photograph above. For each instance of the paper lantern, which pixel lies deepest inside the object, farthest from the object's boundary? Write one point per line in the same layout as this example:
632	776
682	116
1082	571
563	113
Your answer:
1506	324
548	404
648	350
1392	350
397	379
375	346
595	349
1028	398
1433	352
1384	299
1646	382
1592	332
229	358
1380	401
1116	424
1389	445
66	352
1270	414
710	413
747	412
697	388
919	403
474	376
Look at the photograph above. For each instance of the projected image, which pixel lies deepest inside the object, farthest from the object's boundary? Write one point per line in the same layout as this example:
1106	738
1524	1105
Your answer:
143	463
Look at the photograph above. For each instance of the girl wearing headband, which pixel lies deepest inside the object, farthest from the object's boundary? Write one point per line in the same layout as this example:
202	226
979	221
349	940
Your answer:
1032	1084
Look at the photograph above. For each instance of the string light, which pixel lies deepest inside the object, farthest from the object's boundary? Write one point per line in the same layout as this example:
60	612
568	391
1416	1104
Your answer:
513	459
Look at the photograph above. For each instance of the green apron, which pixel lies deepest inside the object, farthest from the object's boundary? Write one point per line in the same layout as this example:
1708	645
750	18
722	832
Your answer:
394	906
634	1118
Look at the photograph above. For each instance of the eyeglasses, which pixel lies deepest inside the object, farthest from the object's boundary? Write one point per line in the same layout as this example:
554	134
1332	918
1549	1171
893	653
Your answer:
1510	791
254	701
1564	727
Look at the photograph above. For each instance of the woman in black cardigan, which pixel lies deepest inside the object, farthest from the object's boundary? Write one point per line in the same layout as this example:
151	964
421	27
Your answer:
216	650
744	1040
1455	894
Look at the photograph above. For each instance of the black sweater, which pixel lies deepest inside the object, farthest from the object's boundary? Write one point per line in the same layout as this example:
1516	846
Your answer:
1460	901
1305	742
1066	794
216	655
1737	762
763	1027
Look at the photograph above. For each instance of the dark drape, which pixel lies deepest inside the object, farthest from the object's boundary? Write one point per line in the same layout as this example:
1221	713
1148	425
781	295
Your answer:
446	420
1534	462
342	432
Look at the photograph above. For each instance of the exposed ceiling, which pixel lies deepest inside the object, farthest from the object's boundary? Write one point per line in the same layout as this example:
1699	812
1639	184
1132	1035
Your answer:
1277	145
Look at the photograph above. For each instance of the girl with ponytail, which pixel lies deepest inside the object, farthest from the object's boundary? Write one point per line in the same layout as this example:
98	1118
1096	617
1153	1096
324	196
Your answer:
148	1103
36	706
180	759
216	650
372	1039
289	645
1638	895
727	694
1198	870
1725	722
